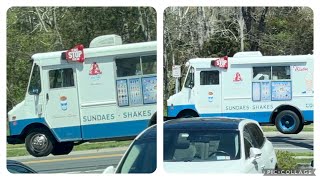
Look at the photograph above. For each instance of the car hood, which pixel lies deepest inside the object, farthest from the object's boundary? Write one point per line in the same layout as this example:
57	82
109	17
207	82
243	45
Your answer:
234	166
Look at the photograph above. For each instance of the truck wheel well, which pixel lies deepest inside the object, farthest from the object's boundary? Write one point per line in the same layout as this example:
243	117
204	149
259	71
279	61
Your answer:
28	128
285	107
188	112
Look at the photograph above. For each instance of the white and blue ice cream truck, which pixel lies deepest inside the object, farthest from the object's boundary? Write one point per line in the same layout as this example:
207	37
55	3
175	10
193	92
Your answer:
106	91
274	90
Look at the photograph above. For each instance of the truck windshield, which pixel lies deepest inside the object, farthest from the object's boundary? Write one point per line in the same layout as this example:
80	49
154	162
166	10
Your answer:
35	81
189	83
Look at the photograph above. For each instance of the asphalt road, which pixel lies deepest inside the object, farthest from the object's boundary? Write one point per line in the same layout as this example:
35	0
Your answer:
95	161
302	142
92	161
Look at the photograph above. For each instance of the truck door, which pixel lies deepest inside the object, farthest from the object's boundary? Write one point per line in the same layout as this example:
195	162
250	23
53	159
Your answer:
62	102
208	93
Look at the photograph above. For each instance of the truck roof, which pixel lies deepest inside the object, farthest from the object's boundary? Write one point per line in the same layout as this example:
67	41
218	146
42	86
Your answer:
206	62
104	51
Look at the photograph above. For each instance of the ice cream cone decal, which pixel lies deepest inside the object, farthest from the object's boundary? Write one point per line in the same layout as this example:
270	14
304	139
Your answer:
63	103
94	70
237	77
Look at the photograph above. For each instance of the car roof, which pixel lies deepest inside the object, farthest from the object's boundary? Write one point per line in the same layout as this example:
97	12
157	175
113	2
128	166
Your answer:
17	163
150	132
198	123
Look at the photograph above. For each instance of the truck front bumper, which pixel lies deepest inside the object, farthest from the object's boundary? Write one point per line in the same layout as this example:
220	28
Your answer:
14	140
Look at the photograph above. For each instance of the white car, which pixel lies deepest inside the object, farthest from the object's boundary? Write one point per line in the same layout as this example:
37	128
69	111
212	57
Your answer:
216	145
141	156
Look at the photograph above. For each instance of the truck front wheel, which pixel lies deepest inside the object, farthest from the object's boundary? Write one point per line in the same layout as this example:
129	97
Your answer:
39	142
62	148
288	122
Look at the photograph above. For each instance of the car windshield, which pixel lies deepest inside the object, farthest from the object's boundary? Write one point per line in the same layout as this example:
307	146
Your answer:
201	145
141	158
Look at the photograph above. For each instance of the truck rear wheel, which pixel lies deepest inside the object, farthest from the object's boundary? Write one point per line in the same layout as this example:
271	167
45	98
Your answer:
288	122
39	142
62	148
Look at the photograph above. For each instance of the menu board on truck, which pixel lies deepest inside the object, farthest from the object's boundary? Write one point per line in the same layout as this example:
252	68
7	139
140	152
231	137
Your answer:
149	88
281	90
265	91
256	91
135	95
122	91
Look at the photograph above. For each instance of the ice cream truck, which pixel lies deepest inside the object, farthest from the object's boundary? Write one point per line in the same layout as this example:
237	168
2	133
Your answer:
275	90
104	92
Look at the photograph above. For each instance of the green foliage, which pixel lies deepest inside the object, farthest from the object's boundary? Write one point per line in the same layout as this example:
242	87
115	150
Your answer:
286	160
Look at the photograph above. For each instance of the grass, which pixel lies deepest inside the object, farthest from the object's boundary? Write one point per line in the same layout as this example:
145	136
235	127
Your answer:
306	128
20	150
290	160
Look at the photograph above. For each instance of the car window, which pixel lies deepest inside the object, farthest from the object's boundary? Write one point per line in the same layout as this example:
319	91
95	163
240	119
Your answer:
18	169
141	158
257	135
195	145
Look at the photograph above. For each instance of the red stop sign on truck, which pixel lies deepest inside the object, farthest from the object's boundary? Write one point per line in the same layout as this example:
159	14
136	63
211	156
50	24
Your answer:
75	54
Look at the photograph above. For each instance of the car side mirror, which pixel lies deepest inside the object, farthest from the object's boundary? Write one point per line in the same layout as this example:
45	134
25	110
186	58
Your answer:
255	154
109	170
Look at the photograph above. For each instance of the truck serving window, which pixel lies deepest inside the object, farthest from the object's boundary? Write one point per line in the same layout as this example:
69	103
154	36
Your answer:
278	73
209	77
134	66
61	78
149	64
134	84
35	81
261	73
128	67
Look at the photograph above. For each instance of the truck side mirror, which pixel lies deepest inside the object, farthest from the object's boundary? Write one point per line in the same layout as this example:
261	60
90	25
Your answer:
34	91
191	85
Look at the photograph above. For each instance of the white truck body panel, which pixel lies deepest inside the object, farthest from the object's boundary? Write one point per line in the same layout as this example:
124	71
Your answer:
234	96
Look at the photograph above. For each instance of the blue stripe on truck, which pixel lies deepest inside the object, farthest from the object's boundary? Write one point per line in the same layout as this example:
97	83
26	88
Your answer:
110	130
89	132
261	117
16	127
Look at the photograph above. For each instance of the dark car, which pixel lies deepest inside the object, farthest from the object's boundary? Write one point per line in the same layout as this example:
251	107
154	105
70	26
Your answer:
141	156
18	167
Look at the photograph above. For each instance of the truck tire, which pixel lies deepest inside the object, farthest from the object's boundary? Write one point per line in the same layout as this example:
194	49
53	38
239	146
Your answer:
39	142
288	122
62	148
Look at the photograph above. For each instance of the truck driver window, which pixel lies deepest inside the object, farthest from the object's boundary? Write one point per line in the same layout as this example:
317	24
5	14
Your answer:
149	64
128	67
61	78
35	82
280	72
261	73
209	77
